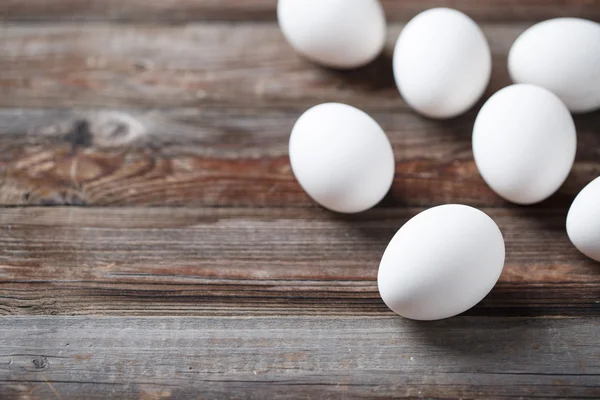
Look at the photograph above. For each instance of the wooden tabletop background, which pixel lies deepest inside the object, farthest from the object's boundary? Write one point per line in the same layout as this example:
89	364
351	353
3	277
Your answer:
154	243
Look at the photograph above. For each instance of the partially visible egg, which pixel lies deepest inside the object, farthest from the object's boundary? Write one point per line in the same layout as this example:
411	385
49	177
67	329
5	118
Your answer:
524	143
442	63
562	55
441	263
335	33
583	220
341	157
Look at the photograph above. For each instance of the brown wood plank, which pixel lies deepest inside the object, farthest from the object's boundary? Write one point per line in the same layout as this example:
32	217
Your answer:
237	92
253	292
112	65
298	357
230	156
207	262
180	11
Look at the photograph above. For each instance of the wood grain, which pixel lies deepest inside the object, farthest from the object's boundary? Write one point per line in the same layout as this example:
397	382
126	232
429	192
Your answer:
206	262
149	66
182	11
307	357
238	285
228	156
220	135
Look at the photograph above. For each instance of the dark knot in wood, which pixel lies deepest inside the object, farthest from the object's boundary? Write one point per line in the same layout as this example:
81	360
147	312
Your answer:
80	135
40	363
106	129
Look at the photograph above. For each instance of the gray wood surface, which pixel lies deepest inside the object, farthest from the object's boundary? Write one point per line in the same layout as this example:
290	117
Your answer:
191	264
200	115
240	262
104	64
308	357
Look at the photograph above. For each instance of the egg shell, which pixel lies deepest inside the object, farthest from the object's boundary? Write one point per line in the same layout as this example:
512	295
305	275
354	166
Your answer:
441	263
335	33
442	63
562	55
524	143
341	157
583	220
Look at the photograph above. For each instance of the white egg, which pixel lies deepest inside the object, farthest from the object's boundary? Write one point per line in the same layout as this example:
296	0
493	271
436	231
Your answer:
442	63
442	262
341	157
524	143
562	55
334	33
583	220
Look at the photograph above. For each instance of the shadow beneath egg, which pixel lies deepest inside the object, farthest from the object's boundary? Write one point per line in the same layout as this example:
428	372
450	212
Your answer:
377	225
375	76
500	76
461	127
467	342
393	198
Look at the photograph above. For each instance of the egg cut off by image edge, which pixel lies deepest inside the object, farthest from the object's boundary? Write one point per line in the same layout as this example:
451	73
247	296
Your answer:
341	34
583	220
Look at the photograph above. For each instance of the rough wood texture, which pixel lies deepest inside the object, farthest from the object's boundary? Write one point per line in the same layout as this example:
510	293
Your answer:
261	358
228	97
228	156
238	286
113	65
180	11
205	262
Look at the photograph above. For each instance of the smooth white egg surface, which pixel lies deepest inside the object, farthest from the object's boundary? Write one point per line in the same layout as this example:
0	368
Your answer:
442	63
341	157
562	55
583	220
441	263
335	33
524	143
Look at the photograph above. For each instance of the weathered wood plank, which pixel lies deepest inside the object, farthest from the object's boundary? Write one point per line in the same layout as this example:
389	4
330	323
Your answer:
261	358
205	262
231	156
244	88
274	298
181	11
112	65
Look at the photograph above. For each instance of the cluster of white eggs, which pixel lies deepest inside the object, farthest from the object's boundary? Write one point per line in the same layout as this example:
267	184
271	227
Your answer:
446	259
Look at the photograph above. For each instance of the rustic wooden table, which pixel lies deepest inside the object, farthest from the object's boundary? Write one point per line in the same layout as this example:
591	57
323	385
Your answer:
154	243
